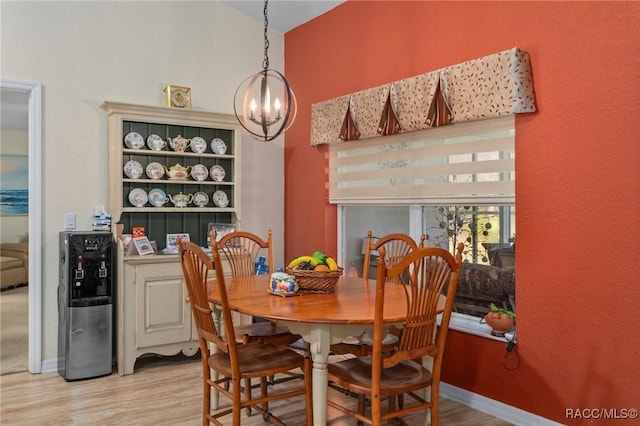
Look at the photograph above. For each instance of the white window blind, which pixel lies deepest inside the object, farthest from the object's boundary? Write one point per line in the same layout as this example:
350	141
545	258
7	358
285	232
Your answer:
463	163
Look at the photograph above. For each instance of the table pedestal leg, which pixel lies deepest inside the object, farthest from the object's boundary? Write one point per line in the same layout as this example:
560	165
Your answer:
427	362
319	346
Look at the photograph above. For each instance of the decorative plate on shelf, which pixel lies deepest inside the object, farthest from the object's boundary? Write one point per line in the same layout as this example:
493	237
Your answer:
200	199
218	146
217	173
198	145
137	197
154	170
220	199
133	169
199	172
155	143
134	140
157	197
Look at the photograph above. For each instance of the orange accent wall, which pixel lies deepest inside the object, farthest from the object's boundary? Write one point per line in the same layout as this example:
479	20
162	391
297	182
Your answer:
577	164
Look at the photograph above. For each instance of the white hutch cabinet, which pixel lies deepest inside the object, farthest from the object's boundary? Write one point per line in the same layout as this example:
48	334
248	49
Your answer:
153	315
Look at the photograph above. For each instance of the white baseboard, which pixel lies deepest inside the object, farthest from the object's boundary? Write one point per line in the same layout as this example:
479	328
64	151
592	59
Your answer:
492	407
49	365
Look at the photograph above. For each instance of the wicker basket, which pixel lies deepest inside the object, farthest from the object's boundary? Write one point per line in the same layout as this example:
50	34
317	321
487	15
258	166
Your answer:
315	281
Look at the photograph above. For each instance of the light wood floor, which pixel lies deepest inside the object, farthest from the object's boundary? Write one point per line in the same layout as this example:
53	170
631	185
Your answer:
163	391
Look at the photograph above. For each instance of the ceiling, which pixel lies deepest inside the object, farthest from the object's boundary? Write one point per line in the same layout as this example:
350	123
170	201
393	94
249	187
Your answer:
283	15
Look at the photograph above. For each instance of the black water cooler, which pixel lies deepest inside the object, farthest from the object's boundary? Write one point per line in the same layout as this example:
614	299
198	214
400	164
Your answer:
85	305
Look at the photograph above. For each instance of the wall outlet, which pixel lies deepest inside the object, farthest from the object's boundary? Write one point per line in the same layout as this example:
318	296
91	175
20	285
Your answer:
69	221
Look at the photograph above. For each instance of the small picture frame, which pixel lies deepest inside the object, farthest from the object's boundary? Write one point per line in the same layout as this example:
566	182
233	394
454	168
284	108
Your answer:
143	246
220	229
172	241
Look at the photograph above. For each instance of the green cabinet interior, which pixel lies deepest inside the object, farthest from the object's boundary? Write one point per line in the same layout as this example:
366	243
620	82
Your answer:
158	224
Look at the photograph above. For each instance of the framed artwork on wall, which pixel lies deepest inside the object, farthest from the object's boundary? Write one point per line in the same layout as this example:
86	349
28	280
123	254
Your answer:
14	185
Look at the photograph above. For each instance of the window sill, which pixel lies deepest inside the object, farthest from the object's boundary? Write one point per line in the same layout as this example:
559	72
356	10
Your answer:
471	325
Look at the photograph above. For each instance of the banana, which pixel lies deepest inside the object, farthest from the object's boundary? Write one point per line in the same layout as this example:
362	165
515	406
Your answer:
295	262
331	263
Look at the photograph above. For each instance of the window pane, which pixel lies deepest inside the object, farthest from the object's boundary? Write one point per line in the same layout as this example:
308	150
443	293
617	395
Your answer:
477	227
357	221
488	269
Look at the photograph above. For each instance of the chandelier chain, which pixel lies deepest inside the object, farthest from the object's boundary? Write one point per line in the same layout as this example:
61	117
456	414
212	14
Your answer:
265	62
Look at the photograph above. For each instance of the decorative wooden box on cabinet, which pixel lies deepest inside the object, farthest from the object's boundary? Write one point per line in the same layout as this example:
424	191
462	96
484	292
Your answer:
152	308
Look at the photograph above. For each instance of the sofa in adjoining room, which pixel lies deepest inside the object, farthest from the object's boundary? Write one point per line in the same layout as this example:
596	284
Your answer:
14	264
481	285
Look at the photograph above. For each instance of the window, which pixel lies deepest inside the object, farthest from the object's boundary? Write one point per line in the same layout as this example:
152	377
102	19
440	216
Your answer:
454	184
482	229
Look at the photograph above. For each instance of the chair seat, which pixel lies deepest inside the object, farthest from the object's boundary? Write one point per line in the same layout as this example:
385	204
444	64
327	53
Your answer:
257	358
266	332
364	346
355	374
261	329
362	349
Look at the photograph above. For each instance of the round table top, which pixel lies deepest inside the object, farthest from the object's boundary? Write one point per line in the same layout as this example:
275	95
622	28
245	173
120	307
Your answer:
352	302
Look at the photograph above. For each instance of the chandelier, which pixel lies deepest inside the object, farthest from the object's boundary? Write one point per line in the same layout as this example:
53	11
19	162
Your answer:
264	103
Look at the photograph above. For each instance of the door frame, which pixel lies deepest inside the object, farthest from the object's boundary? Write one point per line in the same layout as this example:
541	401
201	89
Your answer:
34	91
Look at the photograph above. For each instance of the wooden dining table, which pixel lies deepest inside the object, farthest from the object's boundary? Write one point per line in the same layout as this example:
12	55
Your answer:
320	318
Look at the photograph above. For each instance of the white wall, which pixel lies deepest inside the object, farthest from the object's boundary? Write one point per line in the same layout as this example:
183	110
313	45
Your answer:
13	228
86	52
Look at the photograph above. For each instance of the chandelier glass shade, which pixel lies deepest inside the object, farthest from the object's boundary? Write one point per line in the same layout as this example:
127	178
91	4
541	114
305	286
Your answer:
264	103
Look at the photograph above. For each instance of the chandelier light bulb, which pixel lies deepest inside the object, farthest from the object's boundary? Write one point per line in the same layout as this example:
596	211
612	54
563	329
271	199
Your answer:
276	106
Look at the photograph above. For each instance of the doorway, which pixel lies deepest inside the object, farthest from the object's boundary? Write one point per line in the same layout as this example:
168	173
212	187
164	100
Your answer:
33	92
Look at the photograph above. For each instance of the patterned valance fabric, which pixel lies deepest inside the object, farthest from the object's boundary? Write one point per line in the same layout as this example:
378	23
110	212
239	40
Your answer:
483	88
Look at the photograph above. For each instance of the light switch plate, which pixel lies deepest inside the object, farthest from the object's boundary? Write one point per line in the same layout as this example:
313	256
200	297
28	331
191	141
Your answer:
69	221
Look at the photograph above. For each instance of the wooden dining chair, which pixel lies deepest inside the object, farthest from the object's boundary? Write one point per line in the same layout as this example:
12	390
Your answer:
396	247
386	376
226	364
242	250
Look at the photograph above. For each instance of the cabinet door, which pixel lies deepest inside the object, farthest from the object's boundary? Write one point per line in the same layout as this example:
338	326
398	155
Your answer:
163	315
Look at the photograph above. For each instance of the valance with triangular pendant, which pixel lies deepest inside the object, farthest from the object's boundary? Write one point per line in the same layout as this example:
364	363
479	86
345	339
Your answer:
488	87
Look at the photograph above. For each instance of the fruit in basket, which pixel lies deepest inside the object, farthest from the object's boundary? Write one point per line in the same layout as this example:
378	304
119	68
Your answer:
331	263
320	257
300	259
318	261
305	266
